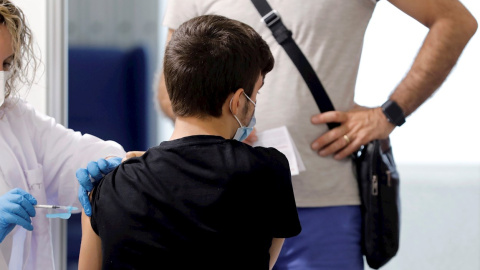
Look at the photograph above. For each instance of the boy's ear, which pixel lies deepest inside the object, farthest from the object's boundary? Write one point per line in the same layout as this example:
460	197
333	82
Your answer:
236	101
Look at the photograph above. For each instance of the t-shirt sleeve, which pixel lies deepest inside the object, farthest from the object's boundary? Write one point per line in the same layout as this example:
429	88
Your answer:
180	11
285	222
95	200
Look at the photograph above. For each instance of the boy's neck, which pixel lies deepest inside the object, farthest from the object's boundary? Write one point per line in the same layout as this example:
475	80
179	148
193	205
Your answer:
190	126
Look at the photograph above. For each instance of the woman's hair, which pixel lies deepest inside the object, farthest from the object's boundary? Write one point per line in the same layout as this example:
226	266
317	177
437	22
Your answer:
24	60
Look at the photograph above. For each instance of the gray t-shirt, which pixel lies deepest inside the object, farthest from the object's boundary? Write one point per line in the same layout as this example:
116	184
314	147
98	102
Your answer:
330	33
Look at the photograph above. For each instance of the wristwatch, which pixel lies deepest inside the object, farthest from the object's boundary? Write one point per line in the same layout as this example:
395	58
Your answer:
393	112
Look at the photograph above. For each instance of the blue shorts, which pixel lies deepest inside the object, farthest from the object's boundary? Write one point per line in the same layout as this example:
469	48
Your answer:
330	239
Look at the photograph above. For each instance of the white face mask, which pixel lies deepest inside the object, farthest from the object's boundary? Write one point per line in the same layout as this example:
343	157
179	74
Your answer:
3	80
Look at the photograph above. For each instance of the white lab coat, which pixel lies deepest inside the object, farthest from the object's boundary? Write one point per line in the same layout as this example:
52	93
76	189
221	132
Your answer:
41	157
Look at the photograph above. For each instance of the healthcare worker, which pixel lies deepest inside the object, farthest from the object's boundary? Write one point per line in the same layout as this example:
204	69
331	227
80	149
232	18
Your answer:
38	157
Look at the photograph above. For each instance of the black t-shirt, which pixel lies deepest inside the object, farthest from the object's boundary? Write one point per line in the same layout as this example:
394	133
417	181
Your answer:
199	202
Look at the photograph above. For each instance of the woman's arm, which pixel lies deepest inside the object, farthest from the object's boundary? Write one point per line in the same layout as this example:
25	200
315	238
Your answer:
275	248
91	247
61	151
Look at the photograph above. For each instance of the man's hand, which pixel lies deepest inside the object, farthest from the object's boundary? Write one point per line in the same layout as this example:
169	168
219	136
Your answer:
252	138
89	177
357	127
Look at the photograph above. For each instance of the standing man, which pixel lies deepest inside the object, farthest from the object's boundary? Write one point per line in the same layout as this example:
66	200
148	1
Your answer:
330	33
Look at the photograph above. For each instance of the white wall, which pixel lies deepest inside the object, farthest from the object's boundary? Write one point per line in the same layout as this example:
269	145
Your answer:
36	14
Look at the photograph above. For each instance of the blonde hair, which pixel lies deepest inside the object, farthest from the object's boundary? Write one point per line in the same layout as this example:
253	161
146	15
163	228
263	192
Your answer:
24	59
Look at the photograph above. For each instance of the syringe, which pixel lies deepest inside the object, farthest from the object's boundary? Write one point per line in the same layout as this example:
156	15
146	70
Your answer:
48	206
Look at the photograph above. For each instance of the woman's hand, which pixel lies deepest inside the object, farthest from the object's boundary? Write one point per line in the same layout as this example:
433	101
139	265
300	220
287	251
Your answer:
16	208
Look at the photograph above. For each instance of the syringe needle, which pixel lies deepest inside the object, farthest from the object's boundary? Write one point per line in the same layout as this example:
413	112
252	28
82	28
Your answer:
47	206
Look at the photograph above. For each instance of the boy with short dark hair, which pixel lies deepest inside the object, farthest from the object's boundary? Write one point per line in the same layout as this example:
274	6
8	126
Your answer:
203	199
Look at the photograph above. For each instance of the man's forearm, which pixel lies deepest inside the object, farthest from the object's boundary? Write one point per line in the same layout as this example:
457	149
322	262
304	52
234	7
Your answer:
438	55
164	99
162	94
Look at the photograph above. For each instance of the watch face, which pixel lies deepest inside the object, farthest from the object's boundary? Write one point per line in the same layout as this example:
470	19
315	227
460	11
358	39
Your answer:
393	112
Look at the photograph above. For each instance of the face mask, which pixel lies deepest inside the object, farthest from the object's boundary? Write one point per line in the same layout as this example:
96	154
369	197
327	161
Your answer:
3	80
243	131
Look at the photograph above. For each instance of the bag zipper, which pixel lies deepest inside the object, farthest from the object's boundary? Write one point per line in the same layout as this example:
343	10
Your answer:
389	178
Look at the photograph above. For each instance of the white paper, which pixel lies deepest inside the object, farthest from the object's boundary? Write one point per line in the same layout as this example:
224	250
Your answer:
301	166
280	139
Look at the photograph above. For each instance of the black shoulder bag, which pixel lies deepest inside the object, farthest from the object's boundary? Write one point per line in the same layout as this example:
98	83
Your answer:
376	172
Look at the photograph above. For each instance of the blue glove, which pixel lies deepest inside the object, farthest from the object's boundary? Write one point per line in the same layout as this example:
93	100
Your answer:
16	208
89	177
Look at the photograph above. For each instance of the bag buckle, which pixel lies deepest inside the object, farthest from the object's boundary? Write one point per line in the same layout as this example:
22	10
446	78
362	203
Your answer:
271	18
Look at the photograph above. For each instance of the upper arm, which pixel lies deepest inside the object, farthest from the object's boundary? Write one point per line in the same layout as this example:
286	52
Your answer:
169	35
162	95
429	12
275	249
283	209
91	247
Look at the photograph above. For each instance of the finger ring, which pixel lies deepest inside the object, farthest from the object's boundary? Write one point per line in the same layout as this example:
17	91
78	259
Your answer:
346	138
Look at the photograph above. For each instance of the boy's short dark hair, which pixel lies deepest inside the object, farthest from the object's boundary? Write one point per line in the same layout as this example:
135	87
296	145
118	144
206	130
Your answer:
209	57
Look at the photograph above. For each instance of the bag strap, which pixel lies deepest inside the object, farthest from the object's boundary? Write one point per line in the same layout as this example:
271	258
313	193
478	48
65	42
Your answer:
283	36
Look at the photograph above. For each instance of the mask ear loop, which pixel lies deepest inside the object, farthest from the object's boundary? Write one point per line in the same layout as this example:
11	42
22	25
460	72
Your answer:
254	104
